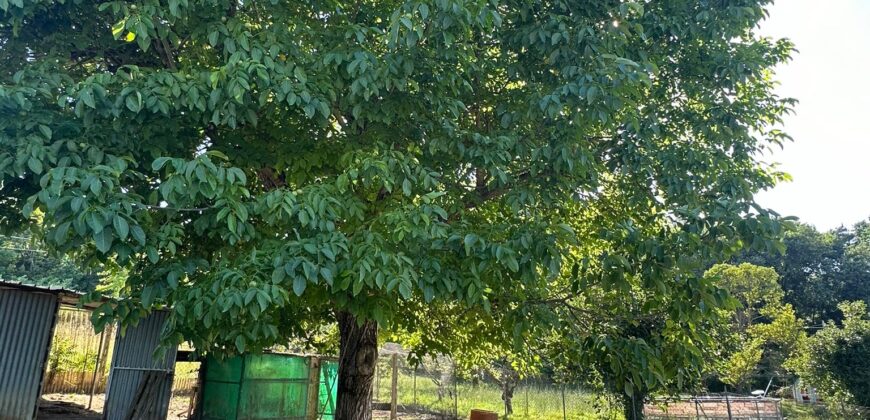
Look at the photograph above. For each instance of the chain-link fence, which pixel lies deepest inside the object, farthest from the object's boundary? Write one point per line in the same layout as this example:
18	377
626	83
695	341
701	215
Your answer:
434	388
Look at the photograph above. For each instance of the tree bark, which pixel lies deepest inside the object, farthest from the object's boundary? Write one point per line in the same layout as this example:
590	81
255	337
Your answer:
632	405
507	395
358	356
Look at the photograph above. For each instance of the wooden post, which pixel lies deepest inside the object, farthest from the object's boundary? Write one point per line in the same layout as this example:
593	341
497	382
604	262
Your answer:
376	396
96	369
564	409
312	408
527	397
728	406
394	388
415	386
455	392
200	390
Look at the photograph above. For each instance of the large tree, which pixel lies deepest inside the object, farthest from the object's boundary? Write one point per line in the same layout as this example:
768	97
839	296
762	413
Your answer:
258	166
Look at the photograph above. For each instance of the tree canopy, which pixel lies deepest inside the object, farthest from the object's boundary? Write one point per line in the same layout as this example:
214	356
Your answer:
836	359
760	333
255	166
821	269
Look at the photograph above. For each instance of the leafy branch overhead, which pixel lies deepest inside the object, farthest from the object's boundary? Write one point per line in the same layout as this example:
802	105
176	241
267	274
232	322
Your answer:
258	165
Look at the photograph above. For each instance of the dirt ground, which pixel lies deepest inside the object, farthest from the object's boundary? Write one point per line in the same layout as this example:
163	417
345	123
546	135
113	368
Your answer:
382	415
74	407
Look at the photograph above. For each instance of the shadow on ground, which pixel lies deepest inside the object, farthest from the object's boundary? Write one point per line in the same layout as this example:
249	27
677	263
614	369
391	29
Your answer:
57	410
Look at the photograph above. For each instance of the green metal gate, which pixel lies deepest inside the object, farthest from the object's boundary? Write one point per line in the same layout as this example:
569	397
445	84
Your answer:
269	386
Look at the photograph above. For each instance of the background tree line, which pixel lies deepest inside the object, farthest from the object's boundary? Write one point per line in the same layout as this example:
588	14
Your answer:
820	269
801	313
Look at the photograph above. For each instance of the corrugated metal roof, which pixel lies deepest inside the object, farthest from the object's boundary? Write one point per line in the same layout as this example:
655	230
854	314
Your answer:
133	356
34	287
67	297
28	321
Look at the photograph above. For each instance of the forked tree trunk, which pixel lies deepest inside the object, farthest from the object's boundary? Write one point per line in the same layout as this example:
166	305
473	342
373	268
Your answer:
358	357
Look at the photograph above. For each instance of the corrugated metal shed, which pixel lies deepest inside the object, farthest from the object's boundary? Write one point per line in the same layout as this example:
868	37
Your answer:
132	362
27	317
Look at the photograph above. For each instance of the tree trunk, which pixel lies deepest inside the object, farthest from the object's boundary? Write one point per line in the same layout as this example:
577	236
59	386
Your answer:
632	405
507	395
358	356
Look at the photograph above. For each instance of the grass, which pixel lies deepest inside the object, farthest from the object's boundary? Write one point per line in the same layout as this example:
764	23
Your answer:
794	411
529	402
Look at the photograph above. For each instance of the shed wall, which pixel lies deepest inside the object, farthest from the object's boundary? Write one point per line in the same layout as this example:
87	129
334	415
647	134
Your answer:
26	323
132	359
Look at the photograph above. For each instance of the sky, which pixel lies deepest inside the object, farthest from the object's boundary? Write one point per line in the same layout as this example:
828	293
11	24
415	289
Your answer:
829	159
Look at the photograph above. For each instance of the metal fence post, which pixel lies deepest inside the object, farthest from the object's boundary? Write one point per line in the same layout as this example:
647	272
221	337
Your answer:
394	388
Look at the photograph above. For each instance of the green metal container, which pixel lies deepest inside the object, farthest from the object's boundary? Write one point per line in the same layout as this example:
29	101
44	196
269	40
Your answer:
269	386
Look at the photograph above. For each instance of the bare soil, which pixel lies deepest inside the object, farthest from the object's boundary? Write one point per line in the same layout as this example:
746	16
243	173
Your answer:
74	407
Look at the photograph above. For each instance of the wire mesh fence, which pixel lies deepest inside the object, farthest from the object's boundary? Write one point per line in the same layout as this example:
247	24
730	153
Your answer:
434	387
718	406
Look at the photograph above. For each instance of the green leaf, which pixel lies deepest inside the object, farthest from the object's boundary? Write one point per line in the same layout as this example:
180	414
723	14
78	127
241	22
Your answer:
240	343
148	295
134	102
46	132
591	94
138	234
103	240
122	228
327	275
87	96
159	162
35	165
469	241
263	300
118	28
60	233
299	285
173	7
153	256
404	290
172	279
512	263
277	275
95	221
